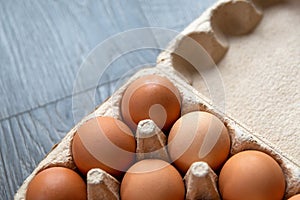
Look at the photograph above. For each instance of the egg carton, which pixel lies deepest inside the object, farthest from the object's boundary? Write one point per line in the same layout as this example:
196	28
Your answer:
238	17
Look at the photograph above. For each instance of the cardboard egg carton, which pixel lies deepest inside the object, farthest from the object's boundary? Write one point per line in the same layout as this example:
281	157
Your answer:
233	16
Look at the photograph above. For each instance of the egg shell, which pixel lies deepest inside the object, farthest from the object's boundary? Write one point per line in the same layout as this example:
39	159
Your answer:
241	136
106	143
151	97
152	179
295	197
198	136
251	175
57	183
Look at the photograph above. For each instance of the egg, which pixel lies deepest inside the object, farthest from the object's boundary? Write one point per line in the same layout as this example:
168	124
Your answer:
198	136
152	179
57	183
295	197
106	143
251	175
151	97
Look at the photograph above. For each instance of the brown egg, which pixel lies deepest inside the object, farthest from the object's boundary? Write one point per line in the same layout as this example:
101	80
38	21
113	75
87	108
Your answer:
198	136
57	183
152	179
106	143
151	97
251	175
295	197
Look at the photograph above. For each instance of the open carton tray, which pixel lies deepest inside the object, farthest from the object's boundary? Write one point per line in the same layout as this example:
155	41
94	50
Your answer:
236	17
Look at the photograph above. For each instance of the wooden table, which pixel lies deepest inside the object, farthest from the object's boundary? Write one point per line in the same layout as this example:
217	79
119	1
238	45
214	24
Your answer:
42	45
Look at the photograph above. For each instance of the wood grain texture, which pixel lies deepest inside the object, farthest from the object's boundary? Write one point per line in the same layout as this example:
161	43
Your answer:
28	137
44	42
42	45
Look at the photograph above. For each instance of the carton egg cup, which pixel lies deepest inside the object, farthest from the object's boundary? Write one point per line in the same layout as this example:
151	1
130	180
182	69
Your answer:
150	140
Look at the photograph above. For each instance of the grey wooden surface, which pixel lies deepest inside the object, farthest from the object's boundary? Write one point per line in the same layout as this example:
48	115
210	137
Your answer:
42	44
